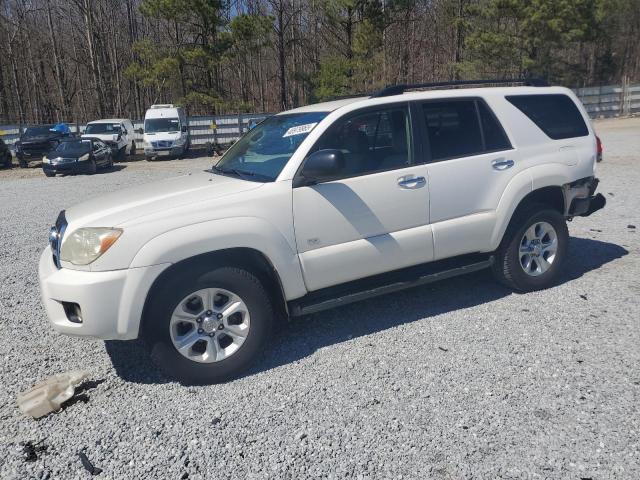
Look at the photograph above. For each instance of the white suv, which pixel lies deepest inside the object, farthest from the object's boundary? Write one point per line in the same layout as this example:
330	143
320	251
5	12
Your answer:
321	206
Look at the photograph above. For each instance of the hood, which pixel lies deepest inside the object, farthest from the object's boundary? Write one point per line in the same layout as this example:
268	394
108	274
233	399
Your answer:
116	208
39	138
162	136
105	137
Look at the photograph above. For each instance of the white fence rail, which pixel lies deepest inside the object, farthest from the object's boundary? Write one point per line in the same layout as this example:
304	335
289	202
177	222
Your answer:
222	129
610	100
600	102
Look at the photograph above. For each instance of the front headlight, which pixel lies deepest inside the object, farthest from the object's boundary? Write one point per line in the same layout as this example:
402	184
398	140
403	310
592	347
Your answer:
85	245
179	142
45	160
84	158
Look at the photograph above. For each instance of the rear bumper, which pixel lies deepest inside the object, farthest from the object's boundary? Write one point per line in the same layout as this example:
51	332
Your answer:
583	207
585	203
109	304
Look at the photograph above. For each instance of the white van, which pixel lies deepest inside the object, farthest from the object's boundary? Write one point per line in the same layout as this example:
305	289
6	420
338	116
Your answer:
165	132
117	133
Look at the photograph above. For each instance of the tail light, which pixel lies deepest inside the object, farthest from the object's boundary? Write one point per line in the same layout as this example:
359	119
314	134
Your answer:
599	149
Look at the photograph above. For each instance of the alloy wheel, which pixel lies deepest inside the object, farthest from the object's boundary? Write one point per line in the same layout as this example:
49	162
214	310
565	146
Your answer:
209	325
538	248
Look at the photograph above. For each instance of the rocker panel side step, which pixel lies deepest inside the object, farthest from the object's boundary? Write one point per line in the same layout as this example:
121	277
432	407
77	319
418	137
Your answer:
350	293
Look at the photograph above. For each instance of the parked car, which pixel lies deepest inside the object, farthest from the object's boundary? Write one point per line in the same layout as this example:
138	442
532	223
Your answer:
117	133
5	155
165	132
38	140
321	206
81	155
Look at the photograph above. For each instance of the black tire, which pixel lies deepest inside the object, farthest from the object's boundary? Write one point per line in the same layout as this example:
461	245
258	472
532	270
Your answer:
109	162
23	163
132	152
507	268
93	168
50	174
7	160
166	297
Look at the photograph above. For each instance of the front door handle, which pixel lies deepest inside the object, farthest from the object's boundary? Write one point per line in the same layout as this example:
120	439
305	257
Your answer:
412	182
502	164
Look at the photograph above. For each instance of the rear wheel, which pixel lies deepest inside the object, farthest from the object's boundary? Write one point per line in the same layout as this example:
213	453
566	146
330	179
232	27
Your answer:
132	152
533	250
208	327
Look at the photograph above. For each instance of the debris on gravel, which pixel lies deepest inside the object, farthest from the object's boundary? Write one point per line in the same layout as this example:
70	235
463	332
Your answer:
548	385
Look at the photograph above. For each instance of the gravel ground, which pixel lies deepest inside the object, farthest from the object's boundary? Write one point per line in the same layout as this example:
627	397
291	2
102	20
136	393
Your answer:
461	379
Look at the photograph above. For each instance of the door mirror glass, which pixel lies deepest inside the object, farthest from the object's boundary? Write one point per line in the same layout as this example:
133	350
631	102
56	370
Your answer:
322	165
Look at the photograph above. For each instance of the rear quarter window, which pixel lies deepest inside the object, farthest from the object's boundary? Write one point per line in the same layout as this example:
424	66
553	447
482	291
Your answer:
555	114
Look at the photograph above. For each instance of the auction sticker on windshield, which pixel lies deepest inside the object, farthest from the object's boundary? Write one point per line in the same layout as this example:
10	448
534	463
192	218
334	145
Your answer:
299	129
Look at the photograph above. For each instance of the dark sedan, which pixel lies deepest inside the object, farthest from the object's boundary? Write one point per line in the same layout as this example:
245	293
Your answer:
82	155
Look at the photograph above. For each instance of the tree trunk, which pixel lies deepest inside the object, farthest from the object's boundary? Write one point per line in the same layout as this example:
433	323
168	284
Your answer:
64	106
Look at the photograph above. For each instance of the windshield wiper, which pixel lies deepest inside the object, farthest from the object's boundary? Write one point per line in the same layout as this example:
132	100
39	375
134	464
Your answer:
245	175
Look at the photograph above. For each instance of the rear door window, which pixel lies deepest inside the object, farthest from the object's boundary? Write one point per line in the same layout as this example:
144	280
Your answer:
555	114
462	128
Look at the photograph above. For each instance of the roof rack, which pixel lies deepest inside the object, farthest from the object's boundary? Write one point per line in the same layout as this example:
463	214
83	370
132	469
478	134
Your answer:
399	89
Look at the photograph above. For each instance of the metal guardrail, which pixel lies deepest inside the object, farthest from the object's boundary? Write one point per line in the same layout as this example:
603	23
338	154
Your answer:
600	102
610	100
221	129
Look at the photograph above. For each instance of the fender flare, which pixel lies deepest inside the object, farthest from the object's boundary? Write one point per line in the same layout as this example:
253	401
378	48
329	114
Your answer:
222	234
524	183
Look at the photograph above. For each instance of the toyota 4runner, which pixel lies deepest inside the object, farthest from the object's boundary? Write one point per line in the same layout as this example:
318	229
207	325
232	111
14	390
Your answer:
321	206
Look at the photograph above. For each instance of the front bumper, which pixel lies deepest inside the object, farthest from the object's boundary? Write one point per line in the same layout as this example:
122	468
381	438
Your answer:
164	152
110	303
69	167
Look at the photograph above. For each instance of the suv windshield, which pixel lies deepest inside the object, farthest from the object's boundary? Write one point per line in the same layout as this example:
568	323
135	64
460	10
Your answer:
75	147
103	128
38	130
154	125
264	151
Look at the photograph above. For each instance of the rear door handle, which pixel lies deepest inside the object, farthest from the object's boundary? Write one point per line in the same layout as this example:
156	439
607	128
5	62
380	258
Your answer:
502	164
412	182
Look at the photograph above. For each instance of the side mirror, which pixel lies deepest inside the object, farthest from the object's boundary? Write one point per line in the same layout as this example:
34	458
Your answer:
184	129
321	165
139	130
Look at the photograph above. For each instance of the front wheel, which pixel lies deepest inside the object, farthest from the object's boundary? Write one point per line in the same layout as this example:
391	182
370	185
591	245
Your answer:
132	151
533	250
208	327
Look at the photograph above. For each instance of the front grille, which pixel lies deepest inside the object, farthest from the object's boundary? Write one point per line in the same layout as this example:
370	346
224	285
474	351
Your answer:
62	160
162	144
55	237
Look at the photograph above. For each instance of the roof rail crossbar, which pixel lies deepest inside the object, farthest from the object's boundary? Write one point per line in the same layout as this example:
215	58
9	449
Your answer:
399	89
